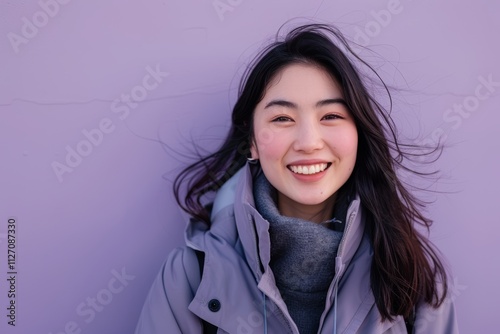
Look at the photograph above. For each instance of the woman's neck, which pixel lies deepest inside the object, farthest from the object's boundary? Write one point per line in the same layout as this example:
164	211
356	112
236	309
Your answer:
315	213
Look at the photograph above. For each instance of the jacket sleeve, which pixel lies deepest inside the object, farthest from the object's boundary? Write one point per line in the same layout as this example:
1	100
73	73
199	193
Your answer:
166	307
442	320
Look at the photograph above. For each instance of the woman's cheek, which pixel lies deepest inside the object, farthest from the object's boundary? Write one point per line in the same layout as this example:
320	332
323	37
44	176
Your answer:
346	142
266	138
273	151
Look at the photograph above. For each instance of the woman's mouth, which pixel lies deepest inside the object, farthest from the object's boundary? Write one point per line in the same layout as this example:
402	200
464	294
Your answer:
309	169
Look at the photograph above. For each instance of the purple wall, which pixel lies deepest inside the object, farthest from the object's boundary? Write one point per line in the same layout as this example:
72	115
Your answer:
84	175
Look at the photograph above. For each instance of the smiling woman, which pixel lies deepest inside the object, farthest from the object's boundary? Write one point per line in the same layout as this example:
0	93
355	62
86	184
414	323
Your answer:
312	148
300	223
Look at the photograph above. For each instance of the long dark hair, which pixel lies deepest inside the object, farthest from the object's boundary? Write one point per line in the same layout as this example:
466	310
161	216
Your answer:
406	268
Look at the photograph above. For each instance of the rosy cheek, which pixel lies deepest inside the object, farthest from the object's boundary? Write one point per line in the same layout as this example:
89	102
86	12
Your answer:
353	140
345	142
270	143
264	137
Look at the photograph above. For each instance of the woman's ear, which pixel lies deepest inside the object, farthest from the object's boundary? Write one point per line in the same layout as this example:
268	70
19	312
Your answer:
253	150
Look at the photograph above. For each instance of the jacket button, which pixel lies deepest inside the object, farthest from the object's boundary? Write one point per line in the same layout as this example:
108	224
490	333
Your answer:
214	305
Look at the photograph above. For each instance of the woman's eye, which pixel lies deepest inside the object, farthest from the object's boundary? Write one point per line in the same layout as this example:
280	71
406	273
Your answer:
332	116
282	119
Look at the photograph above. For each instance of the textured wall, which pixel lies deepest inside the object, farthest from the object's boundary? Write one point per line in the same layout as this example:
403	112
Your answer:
90	89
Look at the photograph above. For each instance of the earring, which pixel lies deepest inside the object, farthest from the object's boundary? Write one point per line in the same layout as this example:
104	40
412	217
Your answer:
252	161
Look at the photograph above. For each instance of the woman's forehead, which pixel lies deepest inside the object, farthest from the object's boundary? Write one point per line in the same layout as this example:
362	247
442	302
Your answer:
301	82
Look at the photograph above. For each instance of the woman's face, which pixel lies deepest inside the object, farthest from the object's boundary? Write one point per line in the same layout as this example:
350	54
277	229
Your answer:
305	139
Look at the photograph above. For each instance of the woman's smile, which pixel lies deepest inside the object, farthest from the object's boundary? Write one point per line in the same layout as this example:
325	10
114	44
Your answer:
309	169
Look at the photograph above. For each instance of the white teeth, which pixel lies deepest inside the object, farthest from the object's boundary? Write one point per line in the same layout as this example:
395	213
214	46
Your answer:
308	170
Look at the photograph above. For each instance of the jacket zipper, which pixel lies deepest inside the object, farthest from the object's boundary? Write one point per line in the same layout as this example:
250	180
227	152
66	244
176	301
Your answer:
338	274
346	232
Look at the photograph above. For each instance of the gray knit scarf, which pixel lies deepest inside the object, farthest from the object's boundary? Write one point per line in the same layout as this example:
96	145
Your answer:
302	256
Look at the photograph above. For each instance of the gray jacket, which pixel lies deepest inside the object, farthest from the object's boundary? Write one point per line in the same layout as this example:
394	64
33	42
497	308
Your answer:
237	292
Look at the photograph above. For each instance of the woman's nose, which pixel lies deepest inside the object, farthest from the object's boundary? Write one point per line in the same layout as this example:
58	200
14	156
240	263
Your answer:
308	138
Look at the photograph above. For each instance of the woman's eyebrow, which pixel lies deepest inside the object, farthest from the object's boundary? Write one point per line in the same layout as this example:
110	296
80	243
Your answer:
331	101
291	105
281	103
